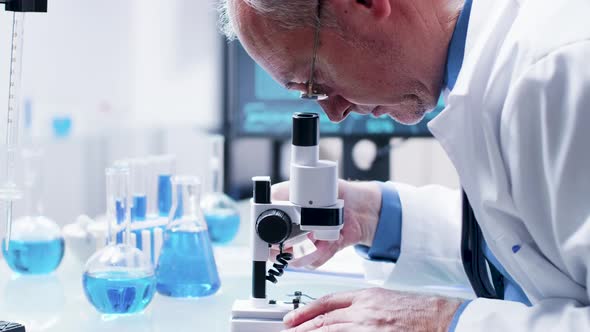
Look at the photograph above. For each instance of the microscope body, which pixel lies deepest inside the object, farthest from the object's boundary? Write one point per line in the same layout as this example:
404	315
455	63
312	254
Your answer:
313	207
284	223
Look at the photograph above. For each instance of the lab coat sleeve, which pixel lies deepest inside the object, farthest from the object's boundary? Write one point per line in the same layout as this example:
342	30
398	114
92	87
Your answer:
387	240
430	237
546	141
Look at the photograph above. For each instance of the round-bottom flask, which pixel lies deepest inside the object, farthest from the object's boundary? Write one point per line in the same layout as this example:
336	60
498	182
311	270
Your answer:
222	216
36	246
186	266
119	279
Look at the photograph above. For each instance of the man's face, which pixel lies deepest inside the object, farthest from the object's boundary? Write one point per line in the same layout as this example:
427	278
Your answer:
378	67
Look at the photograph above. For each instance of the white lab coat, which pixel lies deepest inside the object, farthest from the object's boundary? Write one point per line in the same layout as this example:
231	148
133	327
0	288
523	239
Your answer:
517	129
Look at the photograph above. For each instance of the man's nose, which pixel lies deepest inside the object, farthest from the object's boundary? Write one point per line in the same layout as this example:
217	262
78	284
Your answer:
336	108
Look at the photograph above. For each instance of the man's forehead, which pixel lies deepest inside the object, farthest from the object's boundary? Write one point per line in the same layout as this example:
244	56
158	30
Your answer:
281	68
277	50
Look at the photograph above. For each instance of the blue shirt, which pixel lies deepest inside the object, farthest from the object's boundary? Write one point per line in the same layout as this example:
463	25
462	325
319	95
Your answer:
387	242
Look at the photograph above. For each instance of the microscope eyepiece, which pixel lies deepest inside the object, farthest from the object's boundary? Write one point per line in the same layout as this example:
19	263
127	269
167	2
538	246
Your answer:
305	129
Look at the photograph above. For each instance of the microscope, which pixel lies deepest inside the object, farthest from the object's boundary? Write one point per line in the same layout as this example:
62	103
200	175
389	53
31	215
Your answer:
313	206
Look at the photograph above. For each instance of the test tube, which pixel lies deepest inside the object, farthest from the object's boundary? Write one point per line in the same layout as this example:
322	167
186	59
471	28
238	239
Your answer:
138	168
118	198
151	170
166	168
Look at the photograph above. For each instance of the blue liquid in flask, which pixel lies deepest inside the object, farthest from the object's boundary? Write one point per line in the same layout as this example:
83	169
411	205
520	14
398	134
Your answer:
223	225
34	257
186	267
119	292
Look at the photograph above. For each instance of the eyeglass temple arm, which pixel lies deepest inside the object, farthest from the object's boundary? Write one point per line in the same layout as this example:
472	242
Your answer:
315	49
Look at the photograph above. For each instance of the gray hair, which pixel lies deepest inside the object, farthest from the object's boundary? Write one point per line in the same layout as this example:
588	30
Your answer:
289	14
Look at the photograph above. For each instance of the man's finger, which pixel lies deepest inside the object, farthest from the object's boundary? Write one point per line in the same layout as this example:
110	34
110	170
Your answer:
340	327
331	318
324	251
327	251
307	259
320	306
280	191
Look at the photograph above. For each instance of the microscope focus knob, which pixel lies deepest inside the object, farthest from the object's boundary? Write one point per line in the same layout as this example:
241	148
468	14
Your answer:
273	226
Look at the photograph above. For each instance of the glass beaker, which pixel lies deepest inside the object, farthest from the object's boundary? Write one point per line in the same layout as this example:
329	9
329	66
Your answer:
186	266
36	245
220	211
119	278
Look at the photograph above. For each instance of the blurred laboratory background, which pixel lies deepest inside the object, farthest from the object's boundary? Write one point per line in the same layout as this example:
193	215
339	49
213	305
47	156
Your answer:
107	80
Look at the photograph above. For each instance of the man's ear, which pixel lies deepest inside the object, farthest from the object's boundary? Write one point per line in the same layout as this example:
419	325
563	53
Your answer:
377	8
360	13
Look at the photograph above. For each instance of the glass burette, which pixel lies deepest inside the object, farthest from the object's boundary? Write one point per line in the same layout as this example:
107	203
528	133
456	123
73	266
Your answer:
9	191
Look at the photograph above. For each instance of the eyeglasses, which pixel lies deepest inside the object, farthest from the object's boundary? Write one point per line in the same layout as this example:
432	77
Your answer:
312	93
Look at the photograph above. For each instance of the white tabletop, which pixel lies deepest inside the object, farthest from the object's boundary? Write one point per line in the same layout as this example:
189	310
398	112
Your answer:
57	302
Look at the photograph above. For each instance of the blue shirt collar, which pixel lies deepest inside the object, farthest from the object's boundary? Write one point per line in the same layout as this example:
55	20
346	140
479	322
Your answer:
457	47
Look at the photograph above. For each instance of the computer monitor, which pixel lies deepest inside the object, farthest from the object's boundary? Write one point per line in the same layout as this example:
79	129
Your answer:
261	107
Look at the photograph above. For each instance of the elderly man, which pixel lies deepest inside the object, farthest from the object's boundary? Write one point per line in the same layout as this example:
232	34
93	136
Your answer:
517	89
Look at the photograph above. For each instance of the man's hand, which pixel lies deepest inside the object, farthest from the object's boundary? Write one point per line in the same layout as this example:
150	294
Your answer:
374	309
362	205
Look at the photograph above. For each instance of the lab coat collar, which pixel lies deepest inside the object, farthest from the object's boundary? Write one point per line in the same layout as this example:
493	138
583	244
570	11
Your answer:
457	47
481	27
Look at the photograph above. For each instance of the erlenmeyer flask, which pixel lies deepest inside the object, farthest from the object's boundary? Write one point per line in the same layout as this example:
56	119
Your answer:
119	279
36	245
220	211
186	266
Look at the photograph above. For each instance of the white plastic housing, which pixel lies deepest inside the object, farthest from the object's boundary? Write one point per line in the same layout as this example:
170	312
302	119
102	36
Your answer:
315	186
305	155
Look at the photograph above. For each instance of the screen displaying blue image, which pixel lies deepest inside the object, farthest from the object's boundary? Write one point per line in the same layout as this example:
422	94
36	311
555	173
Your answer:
261	107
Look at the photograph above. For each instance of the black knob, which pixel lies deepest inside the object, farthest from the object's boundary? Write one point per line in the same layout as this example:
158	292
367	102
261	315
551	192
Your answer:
273	226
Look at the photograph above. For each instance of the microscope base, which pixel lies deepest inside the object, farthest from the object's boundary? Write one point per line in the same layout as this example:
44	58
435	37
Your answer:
248	316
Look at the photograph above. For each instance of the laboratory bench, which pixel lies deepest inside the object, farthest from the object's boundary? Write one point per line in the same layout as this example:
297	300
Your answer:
57	302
